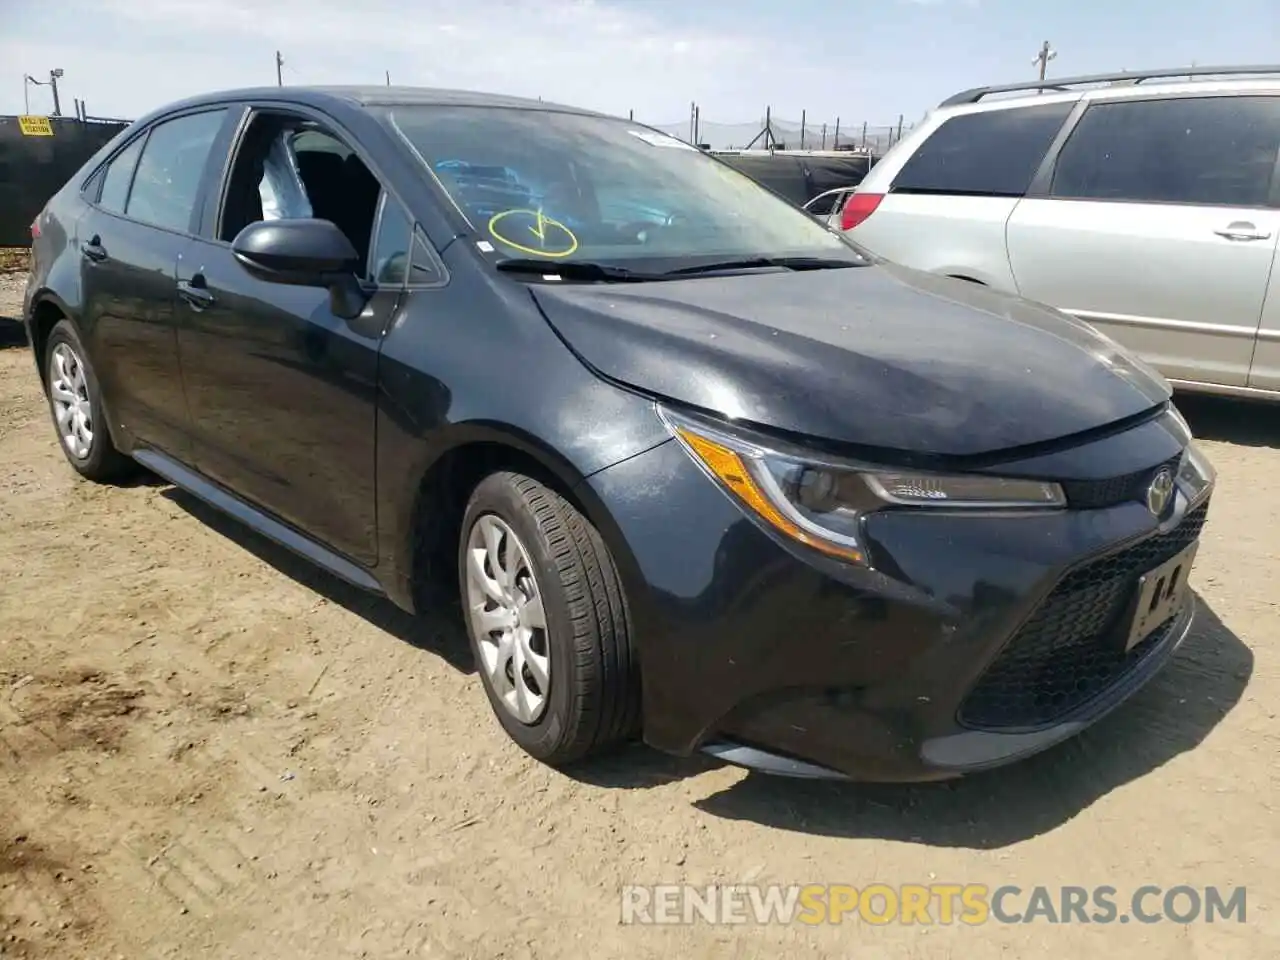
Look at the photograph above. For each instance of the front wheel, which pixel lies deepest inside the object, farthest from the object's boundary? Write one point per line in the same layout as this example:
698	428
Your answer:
548	621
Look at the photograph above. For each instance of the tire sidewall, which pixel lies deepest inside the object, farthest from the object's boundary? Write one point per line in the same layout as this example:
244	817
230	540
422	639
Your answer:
100	449
499	496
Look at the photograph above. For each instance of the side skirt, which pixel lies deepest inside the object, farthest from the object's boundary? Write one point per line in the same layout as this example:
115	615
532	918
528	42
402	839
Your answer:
271	528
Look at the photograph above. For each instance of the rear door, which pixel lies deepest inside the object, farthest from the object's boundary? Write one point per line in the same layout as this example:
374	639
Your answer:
945	210
142	206
1158	224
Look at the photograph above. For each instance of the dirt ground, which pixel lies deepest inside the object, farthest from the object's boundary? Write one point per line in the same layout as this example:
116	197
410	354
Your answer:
209	749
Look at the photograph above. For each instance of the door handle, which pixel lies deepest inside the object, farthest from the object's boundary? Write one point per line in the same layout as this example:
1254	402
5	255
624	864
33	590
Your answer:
94	250
1242	230
196	294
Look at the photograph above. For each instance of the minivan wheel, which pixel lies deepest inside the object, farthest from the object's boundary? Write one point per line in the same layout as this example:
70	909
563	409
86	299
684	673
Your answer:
547	619
76	405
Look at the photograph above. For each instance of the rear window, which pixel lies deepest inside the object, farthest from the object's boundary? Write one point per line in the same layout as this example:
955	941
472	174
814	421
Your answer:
995	153
1209	150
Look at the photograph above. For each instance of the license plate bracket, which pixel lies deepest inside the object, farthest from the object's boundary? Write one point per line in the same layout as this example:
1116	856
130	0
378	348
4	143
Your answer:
1162	591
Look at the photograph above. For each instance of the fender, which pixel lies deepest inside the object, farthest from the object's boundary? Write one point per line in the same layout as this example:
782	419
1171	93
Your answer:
45	297
428	484
63	273
453	380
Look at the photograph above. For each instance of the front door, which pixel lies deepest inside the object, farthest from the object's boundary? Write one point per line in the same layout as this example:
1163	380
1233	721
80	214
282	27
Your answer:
282	392
1160	229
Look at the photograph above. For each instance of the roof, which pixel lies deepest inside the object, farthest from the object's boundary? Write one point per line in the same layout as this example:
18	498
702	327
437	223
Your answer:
378	95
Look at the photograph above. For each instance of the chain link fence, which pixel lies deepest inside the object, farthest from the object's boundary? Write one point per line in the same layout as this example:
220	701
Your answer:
785	134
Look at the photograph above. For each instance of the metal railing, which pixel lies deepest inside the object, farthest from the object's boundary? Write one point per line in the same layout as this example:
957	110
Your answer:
1063	84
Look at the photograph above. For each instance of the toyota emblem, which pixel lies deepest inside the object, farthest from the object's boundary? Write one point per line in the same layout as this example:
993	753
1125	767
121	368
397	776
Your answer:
1160	492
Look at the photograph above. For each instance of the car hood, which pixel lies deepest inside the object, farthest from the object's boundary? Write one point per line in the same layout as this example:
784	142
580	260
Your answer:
879	356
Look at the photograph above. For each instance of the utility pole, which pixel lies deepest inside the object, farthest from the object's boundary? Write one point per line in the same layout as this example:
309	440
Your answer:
279	69
1042	59
54	77
52	83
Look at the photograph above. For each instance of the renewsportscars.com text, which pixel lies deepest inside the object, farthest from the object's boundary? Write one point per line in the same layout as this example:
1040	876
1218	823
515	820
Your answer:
934	903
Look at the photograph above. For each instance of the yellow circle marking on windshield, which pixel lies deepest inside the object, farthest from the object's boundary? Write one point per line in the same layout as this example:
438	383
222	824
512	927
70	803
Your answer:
554	238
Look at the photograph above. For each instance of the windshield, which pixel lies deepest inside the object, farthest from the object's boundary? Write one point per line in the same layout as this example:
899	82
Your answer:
566	187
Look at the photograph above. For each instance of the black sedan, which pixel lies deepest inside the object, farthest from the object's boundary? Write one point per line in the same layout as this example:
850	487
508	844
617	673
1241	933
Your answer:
696	468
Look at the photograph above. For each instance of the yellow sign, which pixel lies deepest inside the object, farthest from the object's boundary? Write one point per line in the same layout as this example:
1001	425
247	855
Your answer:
35	126
553	237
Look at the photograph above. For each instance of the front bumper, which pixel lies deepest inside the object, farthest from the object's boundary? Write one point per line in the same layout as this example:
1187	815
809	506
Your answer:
972	641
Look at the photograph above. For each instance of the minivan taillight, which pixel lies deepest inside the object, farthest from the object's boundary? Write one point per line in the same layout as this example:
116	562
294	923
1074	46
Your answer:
857	208
35	229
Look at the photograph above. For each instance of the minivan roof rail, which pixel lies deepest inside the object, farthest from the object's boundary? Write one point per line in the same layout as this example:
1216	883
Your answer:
1127	76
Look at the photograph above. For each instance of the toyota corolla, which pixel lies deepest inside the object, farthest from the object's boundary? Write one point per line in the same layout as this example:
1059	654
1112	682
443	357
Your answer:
687	465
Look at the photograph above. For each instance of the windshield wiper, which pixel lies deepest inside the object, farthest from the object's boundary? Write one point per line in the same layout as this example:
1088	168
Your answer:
751	263
574	270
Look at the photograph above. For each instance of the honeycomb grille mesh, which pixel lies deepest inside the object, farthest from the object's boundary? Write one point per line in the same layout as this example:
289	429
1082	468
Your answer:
1069	651
1098	494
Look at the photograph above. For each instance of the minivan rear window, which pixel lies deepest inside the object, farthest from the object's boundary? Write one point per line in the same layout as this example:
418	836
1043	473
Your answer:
995	153
1208	150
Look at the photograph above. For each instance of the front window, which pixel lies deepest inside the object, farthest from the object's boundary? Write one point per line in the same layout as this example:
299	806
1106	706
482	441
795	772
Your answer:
564	187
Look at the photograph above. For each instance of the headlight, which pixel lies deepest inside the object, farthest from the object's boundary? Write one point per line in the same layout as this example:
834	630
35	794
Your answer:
1184	428
1195	474
821	503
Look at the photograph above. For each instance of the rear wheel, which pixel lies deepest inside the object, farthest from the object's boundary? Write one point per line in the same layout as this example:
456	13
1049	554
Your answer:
547	620
76	405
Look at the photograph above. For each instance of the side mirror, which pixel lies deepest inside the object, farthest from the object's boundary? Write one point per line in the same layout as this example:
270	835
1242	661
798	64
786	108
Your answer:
304	253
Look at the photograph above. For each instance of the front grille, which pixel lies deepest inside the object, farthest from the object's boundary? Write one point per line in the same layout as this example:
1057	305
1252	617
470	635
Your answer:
1070	650
1098	494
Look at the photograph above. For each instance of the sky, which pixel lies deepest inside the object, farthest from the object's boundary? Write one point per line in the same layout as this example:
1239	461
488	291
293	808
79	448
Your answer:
857	60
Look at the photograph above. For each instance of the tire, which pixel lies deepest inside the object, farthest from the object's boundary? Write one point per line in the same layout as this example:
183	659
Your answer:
98	459
592	699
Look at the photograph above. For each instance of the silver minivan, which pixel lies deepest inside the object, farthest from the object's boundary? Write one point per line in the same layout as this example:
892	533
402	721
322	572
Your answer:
1147	204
